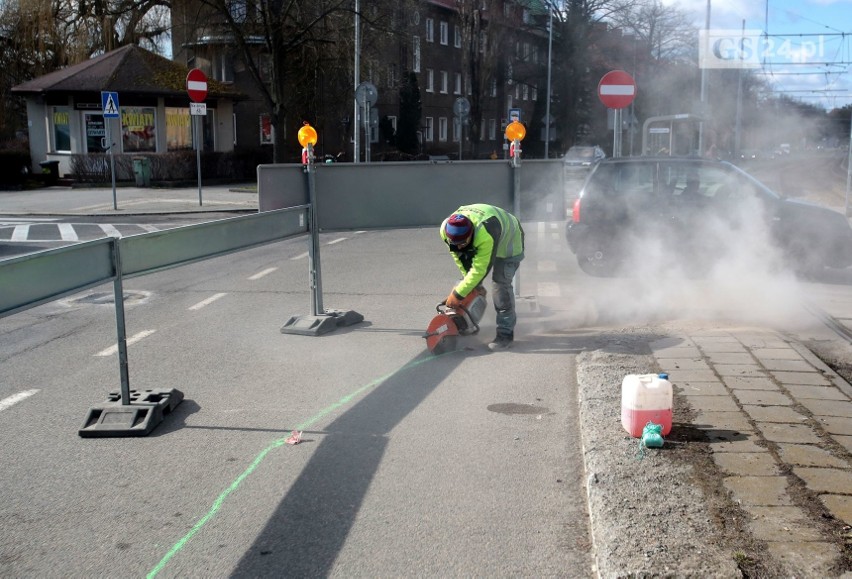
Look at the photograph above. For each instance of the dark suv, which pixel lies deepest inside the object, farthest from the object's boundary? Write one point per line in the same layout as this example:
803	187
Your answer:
691	213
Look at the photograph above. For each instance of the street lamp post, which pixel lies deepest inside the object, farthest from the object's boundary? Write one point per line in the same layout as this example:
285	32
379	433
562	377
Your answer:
547	106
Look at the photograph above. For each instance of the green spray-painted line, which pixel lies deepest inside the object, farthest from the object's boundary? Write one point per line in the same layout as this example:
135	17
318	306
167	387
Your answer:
217	504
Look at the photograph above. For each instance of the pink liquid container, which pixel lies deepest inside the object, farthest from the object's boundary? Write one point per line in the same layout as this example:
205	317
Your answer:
646	398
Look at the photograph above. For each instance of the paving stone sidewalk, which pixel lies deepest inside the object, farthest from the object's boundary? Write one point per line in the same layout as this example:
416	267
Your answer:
780	426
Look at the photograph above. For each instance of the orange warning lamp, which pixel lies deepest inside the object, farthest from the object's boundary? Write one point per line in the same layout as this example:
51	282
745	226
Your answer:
307	135
515	130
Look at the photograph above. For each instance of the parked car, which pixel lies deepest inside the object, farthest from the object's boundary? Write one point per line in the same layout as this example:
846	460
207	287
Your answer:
691	213
580	155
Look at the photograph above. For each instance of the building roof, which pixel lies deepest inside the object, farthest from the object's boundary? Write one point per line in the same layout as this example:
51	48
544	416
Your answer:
129	69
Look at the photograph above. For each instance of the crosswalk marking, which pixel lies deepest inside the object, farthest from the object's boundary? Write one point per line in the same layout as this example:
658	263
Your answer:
66	230
20	233
110	230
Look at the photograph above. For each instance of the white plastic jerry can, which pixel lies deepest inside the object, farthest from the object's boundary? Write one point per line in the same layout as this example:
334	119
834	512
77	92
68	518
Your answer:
646	398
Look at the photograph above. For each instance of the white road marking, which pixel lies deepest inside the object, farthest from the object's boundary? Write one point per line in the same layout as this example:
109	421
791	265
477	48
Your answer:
149	228
546	265
66	231
109	229
260	274
300	256
131	340
548	289
20	233
333	241
207	302
15	398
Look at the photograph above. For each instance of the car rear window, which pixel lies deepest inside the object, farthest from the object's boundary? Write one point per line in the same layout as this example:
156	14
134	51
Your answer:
621	179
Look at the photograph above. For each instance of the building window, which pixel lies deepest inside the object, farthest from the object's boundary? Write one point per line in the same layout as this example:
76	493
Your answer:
416	49
392	121
493	87
457	36
178	129
444	82
391	75
223	67
535	54
534	93
95	132
442	129
62	129
430	129
430	80
492	129
526	91
430	30
139	129
457	86
517	92
266	129
445	33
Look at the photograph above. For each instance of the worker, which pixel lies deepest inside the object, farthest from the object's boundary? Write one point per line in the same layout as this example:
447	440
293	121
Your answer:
484	238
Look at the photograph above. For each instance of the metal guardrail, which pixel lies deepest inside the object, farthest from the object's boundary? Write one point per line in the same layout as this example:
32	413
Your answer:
30	280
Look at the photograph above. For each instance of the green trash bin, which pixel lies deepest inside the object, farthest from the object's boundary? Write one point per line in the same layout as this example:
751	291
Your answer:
142	171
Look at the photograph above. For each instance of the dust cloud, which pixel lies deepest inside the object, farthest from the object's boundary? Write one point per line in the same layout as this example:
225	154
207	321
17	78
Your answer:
716	268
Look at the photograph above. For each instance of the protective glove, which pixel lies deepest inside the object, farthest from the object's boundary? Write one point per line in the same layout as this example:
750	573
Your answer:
454	300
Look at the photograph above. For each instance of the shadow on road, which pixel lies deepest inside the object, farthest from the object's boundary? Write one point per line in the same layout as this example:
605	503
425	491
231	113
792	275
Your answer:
326	497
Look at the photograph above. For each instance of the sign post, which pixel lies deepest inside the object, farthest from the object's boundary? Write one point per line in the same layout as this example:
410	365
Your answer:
196	87
617	89
109	106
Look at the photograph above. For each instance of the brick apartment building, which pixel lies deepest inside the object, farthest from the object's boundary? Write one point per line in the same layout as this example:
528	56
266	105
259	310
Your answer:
430	45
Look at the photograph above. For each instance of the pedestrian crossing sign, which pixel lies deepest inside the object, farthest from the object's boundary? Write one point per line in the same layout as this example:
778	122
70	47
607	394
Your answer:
109	104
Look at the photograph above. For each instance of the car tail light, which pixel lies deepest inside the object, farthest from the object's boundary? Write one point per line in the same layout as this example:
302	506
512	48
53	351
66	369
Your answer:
575	214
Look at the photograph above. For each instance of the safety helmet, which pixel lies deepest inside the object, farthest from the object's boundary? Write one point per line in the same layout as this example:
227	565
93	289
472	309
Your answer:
458	229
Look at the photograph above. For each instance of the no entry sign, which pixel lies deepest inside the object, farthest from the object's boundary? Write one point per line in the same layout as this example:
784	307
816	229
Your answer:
196	85
617	89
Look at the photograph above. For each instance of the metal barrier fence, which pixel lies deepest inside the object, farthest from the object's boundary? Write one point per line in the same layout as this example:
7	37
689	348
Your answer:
30	280
337	196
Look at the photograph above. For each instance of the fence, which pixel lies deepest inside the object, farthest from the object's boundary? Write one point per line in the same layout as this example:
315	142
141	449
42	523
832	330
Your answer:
31	280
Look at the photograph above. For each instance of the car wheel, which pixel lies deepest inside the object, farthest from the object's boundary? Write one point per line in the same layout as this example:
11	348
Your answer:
597	259
804	263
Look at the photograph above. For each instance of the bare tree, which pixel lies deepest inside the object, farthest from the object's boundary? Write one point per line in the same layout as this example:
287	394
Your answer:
40	36
298	53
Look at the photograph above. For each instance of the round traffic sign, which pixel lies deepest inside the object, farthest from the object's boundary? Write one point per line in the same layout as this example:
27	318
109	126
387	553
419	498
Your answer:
366	93
617	89
196	85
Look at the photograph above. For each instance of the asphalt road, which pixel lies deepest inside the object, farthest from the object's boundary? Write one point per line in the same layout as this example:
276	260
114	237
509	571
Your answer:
465	464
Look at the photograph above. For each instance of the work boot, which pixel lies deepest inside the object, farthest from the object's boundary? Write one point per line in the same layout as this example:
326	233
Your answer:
501	342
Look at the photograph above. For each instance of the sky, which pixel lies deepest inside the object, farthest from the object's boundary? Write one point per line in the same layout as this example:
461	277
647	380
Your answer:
811	61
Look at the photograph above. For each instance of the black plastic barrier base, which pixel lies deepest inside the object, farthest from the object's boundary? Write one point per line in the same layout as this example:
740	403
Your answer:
145	411
322	323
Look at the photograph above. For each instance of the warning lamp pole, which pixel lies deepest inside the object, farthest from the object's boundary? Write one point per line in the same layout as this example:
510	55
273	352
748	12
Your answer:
321	320
308	138
515	133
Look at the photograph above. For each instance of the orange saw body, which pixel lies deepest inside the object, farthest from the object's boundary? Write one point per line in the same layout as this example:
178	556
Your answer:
445	328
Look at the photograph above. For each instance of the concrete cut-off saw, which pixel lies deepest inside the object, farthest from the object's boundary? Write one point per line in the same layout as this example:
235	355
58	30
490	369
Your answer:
450	323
